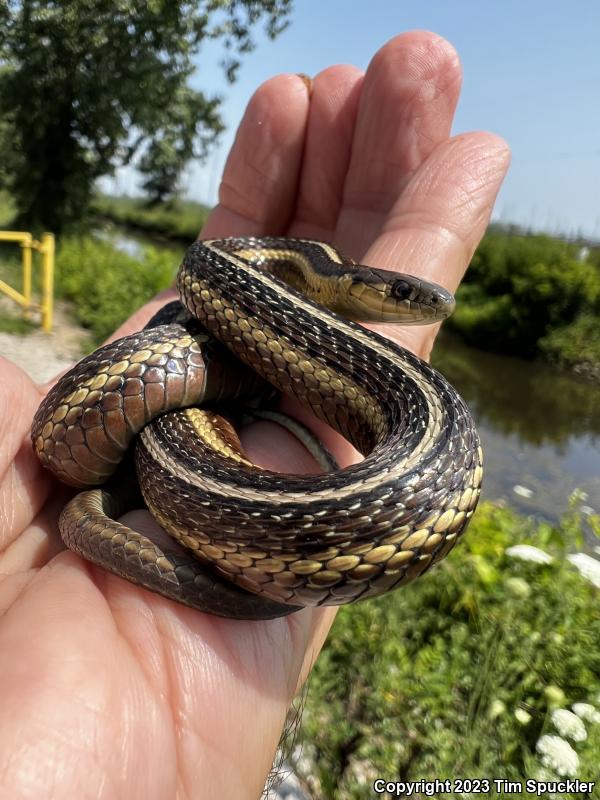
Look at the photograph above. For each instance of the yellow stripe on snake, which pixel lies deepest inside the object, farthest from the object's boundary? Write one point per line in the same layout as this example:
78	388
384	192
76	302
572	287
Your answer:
245	542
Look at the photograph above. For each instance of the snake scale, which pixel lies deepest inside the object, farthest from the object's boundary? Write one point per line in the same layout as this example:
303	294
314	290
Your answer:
245	542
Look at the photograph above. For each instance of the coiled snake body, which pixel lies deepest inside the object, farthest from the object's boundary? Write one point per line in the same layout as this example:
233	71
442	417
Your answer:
274	542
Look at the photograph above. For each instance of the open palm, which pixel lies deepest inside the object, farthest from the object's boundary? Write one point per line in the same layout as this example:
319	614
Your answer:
107	690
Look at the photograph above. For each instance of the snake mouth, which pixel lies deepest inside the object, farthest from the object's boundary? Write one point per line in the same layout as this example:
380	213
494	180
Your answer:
439	304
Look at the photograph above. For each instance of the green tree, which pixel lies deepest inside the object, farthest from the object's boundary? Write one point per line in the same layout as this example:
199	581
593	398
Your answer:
177	141
86	85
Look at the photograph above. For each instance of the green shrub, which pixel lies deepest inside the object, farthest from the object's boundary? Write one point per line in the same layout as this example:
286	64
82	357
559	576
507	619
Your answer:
105	285
457	675
576	345
519	289
7	210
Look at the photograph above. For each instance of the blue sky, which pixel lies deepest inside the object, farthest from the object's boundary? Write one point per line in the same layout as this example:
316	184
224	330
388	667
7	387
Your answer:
531	74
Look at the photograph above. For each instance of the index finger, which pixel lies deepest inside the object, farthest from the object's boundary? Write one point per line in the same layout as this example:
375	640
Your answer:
438	220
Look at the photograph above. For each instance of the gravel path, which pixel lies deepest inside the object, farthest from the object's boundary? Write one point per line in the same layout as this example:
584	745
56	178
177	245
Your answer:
43	355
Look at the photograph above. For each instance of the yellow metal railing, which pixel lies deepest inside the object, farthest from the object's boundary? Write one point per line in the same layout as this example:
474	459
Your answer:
46	248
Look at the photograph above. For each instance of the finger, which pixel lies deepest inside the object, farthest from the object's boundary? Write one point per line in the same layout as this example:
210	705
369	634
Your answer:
431	231
437	222
407	104
24	486
330	128
258	189
291	456
39	541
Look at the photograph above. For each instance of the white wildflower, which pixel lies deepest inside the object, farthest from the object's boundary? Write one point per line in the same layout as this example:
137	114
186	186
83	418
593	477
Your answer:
518	587
527	552
586	711
558	755
578	496
555	695
522	716
496	709
588	567
569	725
587	510
522	491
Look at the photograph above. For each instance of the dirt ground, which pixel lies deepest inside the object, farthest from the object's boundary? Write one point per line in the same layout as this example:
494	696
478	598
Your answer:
43	355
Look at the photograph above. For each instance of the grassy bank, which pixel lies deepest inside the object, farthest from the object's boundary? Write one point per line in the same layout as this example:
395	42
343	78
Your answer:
104	285
179	220
461	674
533	296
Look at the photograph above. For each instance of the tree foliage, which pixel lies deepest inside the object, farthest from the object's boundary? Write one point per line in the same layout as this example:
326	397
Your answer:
86	85
178	141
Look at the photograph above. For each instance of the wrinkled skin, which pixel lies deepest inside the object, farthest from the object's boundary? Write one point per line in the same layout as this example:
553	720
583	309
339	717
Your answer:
109	691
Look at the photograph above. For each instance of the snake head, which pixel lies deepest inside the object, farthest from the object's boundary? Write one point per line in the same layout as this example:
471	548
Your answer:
378	295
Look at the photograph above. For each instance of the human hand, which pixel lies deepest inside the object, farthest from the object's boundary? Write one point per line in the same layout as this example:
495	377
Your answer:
109	690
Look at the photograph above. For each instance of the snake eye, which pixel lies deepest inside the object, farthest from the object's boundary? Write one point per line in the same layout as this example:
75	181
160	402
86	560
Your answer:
401	290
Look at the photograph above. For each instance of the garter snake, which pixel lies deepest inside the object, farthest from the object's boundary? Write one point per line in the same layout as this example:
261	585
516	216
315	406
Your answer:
273	542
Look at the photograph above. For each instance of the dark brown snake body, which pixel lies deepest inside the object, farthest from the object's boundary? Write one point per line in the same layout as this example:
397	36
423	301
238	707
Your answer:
273	542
